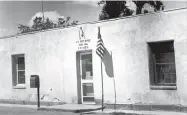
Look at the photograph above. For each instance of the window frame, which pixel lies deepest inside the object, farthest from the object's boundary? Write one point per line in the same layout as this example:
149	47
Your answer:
152	69
15	70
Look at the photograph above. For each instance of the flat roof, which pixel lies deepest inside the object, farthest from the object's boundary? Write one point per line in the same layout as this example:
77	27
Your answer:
93	22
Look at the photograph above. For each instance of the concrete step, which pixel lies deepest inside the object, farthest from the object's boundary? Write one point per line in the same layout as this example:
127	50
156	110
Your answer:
76	108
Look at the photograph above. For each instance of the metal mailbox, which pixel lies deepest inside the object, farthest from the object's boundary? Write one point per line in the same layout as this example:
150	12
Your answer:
34	81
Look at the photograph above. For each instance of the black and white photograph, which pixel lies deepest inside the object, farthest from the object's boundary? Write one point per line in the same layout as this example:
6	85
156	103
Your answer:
93	57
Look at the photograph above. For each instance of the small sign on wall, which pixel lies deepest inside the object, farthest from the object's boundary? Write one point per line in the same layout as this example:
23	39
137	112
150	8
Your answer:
82	43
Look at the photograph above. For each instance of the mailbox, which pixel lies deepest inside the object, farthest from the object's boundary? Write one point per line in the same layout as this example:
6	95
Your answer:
34	81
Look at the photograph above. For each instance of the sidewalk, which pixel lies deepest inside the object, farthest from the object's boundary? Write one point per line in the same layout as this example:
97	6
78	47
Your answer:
133	112
93	110
76	108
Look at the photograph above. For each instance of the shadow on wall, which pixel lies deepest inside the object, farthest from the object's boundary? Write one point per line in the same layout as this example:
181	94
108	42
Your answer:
108	62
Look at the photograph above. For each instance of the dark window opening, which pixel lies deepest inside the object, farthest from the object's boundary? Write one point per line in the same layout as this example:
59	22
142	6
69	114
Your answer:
162	64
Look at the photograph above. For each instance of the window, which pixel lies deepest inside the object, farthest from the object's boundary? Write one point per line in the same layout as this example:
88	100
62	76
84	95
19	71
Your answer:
162	64
87	72
18	69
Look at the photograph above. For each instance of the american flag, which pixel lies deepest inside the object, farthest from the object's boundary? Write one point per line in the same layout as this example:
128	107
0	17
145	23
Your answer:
100	45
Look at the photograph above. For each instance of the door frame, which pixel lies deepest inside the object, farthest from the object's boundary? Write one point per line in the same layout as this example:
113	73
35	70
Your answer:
86	81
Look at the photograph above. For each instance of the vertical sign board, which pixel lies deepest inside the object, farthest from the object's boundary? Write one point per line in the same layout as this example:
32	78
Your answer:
35	83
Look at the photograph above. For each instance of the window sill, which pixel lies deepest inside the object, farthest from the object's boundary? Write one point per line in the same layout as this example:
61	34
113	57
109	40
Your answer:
163	87
20	86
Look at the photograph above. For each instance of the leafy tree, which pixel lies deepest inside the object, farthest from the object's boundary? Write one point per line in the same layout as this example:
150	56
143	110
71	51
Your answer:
157	5
114	9
39	24
74	22
48	24
24	29
63	22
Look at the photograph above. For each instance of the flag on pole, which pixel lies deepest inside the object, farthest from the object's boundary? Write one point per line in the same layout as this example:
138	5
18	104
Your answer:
101	51
100	45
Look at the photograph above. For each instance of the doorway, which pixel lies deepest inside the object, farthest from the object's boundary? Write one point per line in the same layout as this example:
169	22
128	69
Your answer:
86	78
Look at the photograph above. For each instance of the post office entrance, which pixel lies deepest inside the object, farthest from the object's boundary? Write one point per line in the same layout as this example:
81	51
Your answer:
86	85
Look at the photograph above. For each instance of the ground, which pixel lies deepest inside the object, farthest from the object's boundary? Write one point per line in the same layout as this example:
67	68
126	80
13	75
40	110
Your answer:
33	111
29	111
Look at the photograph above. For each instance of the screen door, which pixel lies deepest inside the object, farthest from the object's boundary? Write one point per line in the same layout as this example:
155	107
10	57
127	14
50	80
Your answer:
86	70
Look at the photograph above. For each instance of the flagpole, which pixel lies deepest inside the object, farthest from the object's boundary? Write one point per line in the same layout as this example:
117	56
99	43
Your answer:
100	51
114	88
42	11
102	84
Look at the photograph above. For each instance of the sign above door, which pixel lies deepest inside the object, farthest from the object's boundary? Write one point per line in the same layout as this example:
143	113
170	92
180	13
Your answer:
83	43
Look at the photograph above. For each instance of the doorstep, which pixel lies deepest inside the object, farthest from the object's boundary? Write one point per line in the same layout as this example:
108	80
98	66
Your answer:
76	108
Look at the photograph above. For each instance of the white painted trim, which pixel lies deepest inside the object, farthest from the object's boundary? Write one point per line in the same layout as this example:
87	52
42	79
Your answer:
20	86
19	70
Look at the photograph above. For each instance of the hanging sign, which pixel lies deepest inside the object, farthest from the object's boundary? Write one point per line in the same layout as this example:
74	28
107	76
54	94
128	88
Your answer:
83	43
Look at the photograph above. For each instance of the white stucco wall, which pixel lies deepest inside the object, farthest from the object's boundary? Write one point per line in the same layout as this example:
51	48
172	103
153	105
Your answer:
52	55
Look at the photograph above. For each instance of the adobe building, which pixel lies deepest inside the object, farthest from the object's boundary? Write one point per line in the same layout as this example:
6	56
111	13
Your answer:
146	56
